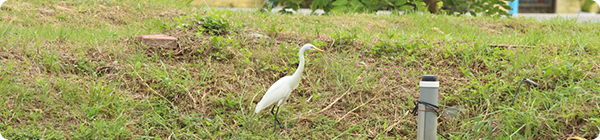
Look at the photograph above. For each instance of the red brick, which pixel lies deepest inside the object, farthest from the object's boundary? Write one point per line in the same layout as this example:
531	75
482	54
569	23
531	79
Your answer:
162	41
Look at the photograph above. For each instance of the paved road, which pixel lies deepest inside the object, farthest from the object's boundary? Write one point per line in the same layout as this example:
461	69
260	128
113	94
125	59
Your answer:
582	17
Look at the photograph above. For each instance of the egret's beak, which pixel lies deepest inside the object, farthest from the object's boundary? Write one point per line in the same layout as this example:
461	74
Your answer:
319	50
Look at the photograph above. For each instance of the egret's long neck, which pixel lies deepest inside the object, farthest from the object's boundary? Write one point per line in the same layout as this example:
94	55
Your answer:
298	72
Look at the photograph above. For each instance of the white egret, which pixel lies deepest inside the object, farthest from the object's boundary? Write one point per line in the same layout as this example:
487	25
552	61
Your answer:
280	91
2	138
2	1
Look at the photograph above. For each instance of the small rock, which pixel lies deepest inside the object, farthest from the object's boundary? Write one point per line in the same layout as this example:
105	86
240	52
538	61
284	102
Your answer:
162	41
362	63
256	35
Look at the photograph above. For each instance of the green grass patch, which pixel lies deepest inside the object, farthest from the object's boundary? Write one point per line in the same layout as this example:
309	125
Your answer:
71	70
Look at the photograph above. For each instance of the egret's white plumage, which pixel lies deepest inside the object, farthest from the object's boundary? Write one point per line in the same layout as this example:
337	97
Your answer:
280	91
277	93
2	138
1	1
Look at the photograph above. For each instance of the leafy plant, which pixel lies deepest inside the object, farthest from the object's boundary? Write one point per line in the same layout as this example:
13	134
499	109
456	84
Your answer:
228	101
319	43
218	45
214	23
213	26
83	65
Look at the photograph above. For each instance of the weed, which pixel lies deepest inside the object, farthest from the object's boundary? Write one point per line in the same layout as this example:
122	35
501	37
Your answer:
213	26
273	30
343	38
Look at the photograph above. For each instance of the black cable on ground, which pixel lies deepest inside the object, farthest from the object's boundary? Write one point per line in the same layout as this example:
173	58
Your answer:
512	102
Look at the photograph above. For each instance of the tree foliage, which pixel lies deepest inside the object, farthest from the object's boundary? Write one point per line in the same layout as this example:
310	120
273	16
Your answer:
485	7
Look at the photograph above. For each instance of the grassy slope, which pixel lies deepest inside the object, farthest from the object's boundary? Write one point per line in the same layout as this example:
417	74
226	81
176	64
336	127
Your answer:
70	70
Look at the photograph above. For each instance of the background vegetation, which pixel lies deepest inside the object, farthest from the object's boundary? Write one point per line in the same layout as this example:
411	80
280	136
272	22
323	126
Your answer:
451	7
587	5
70	70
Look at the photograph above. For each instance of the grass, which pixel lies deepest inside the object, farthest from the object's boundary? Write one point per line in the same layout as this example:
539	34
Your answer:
70	70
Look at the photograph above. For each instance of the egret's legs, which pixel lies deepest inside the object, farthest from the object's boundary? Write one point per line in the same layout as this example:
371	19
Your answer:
275	116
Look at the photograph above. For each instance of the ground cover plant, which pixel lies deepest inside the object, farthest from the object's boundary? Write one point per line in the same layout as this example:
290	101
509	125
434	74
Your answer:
71	70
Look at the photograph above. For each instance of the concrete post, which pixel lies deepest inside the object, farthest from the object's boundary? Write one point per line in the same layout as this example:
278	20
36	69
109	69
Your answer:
567	6
427	119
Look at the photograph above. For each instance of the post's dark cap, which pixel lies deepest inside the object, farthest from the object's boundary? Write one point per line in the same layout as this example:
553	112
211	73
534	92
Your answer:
429	78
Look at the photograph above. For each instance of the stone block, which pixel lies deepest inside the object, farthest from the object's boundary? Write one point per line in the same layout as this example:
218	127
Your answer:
161	41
